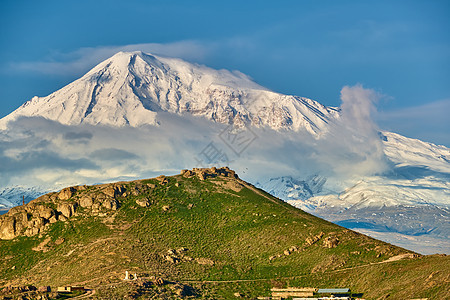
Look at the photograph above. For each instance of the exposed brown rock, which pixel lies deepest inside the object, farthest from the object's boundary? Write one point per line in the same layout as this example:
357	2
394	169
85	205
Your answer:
187	173
67	209
8	228
111	204
42	246
162	180
204	261
313	239
330	242
66	193
86	201
171	259
144	202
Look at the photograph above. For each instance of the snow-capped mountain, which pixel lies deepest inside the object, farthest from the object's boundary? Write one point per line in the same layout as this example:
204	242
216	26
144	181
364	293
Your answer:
13	196
137	114
130	88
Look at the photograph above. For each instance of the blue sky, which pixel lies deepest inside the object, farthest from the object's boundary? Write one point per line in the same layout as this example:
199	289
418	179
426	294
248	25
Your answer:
401	49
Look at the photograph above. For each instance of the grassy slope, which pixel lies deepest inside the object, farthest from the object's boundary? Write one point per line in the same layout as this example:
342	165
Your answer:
237	230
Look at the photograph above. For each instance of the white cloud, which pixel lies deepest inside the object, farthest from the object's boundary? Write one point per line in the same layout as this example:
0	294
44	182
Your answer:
81	60
353	148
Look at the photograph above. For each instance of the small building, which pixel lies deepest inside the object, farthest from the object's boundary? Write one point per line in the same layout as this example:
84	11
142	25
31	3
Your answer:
292	292
69	289
335	293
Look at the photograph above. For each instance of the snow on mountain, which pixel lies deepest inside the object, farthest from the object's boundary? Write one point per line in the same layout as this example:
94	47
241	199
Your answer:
13	196
404	151
130	88
287	187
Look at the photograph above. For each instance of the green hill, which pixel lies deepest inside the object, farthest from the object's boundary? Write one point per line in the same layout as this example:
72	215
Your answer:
204	233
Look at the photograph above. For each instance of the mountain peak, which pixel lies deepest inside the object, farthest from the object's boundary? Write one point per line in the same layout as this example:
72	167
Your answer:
130	88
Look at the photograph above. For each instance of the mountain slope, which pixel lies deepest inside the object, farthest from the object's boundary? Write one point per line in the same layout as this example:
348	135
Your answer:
202	232
130	88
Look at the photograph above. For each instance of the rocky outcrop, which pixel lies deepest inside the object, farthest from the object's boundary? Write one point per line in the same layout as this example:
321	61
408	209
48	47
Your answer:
28	220
35	217
67	193
176	255
313	239
330	242
144	202
204	173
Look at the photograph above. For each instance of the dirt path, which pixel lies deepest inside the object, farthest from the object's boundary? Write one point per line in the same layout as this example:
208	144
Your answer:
389	260
89	293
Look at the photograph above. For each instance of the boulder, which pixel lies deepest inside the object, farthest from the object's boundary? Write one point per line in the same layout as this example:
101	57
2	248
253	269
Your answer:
187	173
30	231
8	228
86	201
53	219
67	209
144	202
66	193
45	212
36	222
111	204
330	242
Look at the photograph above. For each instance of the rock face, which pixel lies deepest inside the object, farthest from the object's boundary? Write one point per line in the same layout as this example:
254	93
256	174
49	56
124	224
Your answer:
203	173
35	217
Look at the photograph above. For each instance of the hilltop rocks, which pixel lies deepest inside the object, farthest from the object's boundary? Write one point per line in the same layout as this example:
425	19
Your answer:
204	173
113	191
187	173
162	180
67	193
